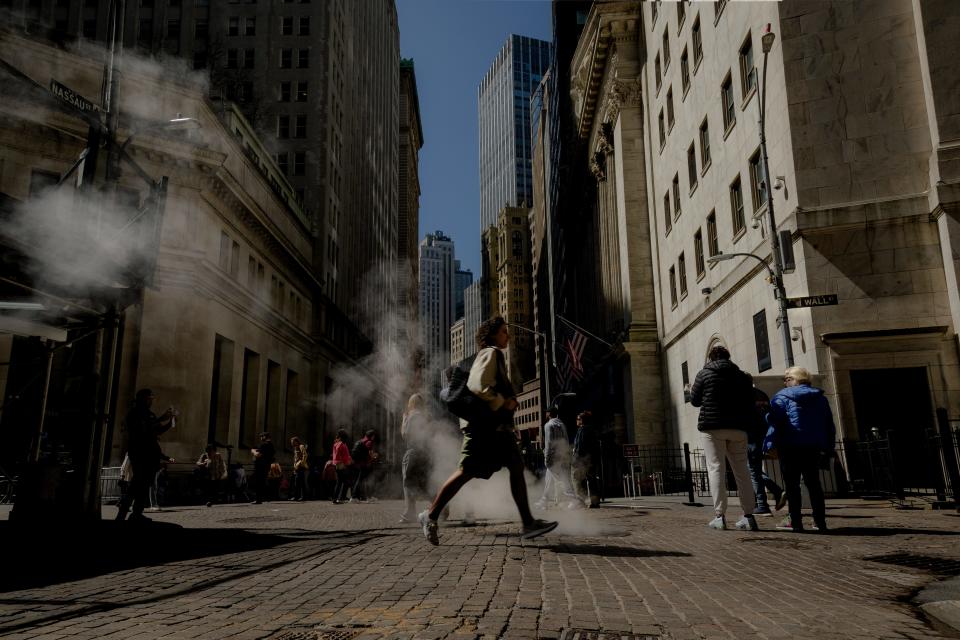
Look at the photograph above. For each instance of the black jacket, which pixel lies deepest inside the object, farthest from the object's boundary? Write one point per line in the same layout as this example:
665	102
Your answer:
724	394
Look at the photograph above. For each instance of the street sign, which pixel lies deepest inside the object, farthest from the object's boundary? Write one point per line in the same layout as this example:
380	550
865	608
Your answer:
812	301
631	451
71	97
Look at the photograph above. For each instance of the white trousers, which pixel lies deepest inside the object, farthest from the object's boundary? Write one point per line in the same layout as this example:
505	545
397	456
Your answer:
556	480
720	445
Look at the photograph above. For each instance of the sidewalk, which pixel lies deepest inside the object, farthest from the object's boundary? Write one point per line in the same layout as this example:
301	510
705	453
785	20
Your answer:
645	568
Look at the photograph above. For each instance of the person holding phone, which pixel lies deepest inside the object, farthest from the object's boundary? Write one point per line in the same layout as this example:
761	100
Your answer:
143	428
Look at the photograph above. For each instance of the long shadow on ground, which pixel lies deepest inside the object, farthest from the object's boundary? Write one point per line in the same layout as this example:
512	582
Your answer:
889	531
613	551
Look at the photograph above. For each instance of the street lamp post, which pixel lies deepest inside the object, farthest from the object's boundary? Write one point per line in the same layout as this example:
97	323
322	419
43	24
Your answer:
777	275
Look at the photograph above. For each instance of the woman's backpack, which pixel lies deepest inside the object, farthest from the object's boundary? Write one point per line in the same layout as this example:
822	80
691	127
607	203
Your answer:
458	398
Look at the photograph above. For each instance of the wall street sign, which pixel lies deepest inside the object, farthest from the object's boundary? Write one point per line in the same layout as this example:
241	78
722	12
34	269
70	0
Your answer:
812	301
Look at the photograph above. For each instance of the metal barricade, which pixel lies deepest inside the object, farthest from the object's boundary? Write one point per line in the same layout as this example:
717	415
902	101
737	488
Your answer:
110	485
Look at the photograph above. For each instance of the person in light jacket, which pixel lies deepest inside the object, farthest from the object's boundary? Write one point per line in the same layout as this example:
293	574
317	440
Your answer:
488	447
300	468
803	433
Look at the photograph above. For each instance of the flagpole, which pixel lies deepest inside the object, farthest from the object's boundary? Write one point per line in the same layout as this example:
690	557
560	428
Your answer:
584	331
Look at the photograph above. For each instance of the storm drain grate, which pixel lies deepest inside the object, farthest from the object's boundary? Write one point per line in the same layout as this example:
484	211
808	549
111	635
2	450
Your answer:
593	634
939	566
326	633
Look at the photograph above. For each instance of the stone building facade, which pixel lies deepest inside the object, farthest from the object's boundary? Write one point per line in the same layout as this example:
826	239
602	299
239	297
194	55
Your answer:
411	141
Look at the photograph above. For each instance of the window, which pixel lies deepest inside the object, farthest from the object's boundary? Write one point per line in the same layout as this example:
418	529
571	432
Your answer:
698	254
173	28
283	127
301	127
199	59
201	28
685	70
146	32
299	163
673	287
713	245
662	128
748	73
41	180
736	206
729	111
283	162
670	107
758	185
718	6
305	26
251	27
681	13
249	55
286	26
697	43
303	58
233	26
90	28
692	166
666	50
704	145
654	11
656	67
301	91
676	195
235	259
284	92
286	58
231	59
224	260
682	268
667	218
201	3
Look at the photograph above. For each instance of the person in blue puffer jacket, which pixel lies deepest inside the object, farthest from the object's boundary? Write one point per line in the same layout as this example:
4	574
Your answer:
803	433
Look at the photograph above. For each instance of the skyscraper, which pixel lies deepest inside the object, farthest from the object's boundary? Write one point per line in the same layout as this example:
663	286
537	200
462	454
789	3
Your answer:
463	279
504	111
436	298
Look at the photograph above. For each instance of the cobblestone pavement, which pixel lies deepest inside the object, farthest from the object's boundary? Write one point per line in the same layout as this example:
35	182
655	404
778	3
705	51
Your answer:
646	567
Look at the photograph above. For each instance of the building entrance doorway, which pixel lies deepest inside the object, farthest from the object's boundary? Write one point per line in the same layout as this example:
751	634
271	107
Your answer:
896	402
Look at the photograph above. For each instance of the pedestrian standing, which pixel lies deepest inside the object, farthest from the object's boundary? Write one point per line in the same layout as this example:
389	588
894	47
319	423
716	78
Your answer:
263	459
300	468
491	443
724	394
759	479
586	462
803	433
365	456
343	463
143	429
556	460
211	471
416	464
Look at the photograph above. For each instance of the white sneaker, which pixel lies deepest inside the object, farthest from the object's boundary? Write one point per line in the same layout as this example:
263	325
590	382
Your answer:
430	528
747	523
718	523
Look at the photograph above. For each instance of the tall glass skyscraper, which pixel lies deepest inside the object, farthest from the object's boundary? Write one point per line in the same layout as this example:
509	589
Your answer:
506	172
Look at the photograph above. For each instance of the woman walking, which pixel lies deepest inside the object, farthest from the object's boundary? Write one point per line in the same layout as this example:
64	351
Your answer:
344	465
415	467
300	468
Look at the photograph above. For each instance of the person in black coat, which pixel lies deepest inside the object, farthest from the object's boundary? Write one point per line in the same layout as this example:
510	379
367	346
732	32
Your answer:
724	394
263	457
143	429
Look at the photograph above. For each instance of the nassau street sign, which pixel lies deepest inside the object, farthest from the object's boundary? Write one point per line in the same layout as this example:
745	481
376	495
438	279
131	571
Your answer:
71	97
812	301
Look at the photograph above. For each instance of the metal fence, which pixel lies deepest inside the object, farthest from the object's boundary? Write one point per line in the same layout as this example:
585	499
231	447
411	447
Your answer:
109	485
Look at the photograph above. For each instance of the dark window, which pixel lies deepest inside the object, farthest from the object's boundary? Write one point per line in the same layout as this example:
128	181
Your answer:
704	145
697	42
201	28
299	163
201	3
233	26
199	59
145	36
232	59
654	11
282	162
676	195
681	13
286	26
283	127
90	28
656	67
667	217
251	27
246	91
692	165
249	55
764	361
736	206
301	92
748	73
713	243
698	253
303	58
673	287
305	26
662	128
173	28
666	50
718	6
729	110
670	107
286	58
685	70
146	4
301	127
682	268
758	186
284	92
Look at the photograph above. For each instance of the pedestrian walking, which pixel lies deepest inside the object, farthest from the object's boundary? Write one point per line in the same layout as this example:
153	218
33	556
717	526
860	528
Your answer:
489	444
365	456
343	463
586	462
143	429
758	477
803	433
556	460
263	459
724	394
301	466
416	464
210	472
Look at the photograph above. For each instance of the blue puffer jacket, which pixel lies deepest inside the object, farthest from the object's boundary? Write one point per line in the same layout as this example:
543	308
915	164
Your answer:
800	416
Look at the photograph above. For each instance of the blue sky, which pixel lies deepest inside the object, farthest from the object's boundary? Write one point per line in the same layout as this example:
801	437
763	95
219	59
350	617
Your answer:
453	43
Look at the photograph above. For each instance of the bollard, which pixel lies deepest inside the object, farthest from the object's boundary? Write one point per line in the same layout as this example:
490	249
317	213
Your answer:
688	475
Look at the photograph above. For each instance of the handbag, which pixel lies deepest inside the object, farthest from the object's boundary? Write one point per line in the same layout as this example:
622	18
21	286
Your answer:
462	402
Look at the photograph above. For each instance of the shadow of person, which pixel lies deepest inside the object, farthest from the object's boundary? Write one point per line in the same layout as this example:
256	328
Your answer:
879	532
613	551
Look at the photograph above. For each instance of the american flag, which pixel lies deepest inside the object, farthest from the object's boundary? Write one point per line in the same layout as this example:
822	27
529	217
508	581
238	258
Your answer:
572	345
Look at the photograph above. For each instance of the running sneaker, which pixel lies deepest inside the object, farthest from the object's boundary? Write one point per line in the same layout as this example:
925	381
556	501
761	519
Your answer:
430	529
765	512
747	523
785	524
537	527
719	523
781	500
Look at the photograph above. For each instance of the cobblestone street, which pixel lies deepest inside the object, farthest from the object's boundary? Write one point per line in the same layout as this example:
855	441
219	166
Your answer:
647	568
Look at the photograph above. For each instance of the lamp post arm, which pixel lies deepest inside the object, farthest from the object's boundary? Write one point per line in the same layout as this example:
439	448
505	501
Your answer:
755	257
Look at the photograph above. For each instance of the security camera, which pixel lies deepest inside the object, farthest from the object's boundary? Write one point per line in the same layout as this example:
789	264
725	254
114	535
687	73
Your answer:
755	224
706	291
795	334
779	183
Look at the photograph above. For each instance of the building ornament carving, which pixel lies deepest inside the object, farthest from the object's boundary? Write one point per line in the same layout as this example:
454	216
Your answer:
598	166
605	138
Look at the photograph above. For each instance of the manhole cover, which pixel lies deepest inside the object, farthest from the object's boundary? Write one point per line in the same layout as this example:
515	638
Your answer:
255	519
325	633
939	566
592	634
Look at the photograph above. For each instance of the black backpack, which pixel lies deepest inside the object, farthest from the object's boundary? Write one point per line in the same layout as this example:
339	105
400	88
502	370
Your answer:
360	453
459	400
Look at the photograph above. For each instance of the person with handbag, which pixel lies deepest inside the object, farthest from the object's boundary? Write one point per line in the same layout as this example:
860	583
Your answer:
210	471
489	439
343	464
803	434
300	468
